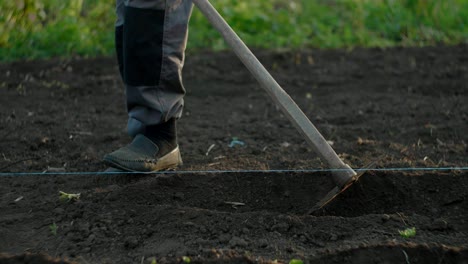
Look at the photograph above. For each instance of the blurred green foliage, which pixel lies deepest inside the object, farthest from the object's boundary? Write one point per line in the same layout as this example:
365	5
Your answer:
45	28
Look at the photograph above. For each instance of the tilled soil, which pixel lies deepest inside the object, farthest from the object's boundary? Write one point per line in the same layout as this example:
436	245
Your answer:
403	107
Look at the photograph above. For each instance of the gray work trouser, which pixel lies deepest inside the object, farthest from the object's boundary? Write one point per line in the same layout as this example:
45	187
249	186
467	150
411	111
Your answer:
151	36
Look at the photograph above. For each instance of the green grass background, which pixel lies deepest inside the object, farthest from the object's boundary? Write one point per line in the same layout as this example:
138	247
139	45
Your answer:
32	29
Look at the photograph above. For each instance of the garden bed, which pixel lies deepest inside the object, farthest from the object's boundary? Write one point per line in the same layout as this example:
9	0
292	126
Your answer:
405	107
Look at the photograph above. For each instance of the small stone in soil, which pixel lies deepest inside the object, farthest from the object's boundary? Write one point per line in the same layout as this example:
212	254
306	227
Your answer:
237	242
131	242
179	196
263	243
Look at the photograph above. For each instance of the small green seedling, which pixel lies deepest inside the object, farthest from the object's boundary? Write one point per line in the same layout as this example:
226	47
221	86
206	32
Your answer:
296	261
186	259
68	197
408	233
153	261
53	228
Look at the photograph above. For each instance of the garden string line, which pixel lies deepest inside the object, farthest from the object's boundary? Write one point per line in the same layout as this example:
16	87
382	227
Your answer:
47	173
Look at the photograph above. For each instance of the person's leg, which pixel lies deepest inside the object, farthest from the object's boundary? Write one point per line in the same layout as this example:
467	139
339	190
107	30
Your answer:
119	10
151	38
155	36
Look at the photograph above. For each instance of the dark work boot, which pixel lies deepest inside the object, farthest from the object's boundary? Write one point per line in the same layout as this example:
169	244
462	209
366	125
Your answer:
155	150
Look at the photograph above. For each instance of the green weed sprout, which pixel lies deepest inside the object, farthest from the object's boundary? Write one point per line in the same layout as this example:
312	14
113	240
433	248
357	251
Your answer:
296	261
53	228
68	197
186	259
407	233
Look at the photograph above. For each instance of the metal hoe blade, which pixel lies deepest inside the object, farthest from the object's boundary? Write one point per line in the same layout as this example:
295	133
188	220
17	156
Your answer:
331	195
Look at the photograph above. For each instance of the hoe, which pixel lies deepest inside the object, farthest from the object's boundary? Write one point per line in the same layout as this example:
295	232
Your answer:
342	174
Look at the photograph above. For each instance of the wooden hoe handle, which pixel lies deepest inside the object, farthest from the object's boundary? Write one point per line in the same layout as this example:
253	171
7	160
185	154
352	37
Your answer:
343	174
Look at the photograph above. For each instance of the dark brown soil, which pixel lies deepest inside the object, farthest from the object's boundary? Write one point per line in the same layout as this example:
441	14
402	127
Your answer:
406	106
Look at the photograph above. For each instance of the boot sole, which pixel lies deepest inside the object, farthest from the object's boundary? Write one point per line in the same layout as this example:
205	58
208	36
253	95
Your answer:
170	161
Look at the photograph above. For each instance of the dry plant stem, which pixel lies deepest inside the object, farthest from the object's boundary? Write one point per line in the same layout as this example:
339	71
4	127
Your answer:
18	161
